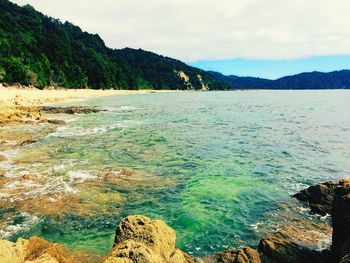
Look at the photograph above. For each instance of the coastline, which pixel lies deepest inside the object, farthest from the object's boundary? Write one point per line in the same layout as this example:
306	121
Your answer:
19	105
30	96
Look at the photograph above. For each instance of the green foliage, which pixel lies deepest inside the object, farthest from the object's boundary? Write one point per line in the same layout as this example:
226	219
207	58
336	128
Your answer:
40	50
312	80
2	74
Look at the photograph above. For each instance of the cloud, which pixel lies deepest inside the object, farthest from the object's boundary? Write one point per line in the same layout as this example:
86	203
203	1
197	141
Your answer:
194	30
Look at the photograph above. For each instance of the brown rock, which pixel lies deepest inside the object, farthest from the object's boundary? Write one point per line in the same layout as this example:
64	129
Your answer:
341	223
28	141
27	177
245	255
2	172
320	197
58	122
140	239
34	250
289	246
70	110
2	158
114	177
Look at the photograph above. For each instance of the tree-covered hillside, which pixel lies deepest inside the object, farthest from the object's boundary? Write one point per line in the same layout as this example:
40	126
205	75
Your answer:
312	80
42	51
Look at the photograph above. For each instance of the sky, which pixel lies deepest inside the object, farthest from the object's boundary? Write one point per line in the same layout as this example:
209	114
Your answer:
266	38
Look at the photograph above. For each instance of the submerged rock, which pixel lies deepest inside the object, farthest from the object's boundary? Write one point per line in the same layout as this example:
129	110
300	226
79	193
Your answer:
140	239
320	197
28	141
58	122
70	110
2	158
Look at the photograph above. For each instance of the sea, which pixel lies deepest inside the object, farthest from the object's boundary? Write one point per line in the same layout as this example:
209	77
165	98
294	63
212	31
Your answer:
219	167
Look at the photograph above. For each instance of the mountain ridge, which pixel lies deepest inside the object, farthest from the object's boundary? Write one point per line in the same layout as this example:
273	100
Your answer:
339	79
42	51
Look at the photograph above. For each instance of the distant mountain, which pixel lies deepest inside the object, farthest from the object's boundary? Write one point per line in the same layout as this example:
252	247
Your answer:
42	51
236	82
312	80
315	80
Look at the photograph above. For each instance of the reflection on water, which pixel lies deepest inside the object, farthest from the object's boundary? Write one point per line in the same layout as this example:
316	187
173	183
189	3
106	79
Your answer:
218	167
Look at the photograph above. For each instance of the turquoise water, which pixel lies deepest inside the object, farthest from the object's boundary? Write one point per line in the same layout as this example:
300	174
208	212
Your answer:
218	167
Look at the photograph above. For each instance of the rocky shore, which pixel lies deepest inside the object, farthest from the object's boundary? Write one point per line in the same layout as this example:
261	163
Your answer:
140	239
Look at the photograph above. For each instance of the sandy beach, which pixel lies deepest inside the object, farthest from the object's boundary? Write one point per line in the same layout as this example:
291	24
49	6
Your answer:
18	105
30	96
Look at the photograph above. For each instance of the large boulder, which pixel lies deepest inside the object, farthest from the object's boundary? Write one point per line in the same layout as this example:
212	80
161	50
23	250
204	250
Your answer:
320	197
341	224
140	239
33	250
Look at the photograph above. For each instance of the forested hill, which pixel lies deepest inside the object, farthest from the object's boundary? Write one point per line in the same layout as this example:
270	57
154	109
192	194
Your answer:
42	51
312	80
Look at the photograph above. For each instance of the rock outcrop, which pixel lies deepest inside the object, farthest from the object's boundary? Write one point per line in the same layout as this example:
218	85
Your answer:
334	198
141	240
33	250
69	110
290	245
320	197
244	255
15	114
341	223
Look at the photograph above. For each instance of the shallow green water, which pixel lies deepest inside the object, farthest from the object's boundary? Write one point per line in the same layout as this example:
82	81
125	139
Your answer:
218	167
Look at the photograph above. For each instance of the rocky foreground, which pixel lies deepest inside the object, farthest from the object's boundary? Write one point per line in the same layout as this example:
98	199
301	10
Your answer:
142	240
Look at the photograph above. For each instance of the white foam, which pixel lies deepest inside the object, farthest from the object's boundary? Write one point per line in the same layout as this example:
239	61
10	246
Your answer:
324	243
65	131
255	226
28	222
25	184
27	189
122	108
80	176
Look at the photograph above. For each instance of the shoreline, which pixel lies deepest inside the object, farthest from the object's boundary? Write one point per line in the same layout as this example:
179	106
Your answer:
33	96
21	105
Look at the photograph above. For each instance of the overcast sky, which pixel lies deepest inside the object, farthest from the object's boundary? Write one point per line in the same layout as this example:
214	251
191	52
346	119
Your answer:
202	30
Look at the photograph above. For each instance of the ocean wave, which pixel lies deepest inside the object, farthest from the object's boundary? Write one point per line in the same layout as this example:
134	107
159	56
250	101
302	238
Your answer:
255	226
65	131
80	176
21	190
77	131
124	108
10	229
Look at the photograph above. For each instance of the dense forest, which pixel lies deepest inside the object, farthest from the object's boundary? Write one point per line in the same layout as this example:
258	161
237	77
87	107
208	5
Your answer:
312	80
42	51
